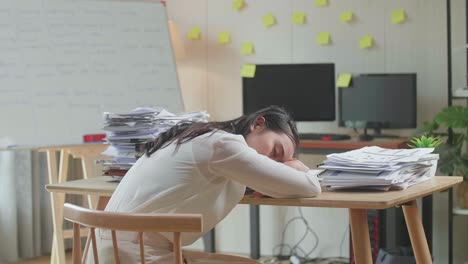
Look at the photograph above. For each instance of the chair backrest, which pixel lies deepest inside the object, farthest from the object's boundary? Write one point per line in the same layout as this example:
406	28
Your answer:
176	223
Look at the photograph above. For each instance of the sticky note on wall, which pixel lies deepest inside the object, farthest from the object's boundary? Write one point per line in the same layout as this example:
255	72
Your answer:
238	5
344	80
398	16
366	42
248	70
224	37
321	3
323	38
298	18
346	16
268	20
194	33
247	48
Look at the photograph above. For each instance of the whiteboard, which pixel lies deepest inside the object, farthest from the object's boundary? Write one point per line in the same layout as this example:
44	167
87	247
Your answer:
64	63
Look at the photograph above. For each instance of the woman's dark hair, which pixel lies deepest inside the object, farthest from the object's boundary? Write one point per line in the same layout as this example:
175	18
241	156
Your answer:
277	119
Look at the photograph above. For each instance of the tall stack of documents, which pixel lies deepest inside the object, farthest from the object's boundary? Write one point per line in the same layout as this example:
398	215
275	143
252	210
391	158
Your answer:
128	133
378	168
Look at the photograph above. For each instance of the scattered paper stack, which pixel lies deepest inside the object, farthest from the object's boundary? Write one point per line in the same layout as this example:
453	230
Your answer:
378	168
128	133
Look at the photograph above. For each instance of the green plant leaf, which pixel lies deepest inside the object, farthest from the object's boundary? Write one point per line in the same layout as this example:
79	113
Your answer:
453	156
453	116
428	128
425	142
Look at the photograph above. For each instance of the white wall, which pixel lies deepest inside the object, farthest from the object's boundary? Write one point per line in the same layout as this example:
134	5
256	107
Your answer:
458	20
419	46
210	78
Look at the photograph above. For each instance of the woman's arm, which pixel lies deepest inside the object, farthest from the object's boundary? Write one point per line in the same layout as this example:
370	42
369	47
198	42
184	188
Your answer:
233	159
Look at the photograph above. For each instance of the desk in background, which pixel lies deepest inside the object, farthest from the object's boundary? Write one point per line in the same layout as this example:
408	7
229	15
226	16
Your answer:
310	146
58	161
356	202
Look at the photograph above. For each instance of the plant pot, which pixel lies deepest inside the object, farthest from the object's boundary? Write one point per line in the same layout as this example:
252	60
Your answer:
461	195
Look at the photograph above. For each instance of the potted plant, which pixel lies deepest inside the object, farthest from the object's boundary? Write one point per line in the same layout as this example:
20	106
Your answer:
453	158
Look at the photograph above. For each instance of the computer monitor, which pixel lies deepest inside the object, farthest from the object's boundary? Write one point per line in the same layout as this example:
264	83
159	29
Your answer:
379	101
307	91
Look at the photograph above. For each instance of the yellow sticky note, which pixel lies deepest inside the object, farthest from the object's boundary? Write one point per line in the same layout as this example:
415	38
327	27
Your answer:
224	37
298	18
247	48
194	33
268	20
238	4
321	3
323	38
346	16
398	16
344	80
248	70
366	42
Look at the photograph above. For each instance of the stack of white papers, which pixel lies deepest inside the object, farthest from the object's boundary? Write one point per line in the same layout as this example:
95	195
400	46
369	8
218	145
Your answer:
378	168
128	133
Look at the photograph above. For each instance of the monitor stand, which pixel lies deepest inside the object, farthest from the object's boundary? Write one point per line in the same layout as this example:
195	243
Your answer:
377	134
365	136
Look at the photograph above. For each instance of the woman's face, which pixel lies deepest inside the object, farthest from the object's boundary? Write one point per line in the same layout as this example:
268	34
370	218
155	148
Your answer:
275	145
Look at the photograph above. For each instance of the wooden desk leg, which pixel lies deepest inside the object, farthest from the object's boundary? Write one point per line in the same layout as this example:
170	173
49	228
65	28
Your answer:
87	166
360	236
58	249
57	214
63	166
416	233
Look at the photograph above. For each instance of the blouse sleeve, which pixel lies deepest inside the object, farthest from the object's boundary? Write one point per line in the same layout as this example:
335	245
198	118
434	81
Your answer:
234	159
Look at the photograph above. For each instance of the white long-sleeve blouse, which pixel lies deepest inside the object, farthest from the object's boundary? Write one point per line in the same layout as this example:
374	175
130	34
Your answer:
207	175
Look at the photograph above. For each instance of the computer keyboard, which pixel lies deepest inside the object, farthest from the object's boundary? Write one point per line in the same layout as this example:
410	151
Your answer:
323	136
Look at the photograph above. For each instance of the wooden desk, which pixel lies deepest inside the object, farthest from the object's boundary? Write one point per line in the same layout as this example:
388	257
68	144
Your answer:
357	202
90	152
321	148
353	144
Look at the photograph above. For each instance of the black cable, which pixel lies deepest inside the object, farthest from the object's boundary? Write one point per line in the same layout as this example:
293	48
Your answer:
283	235
296	250
343	239
310	230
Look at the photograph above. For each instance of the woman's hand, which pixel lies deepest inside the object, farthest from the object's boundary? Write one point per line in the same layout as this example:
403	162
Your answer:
296	164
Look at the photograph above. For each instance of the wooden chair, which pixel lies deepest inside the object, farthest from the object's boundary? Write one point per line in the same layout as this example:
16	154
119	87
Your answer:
139	223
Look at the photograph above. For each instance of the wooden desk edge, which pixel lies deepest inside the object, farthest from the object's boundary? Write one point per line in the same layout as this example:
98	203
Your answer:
83	146
457	179
278	201
339	203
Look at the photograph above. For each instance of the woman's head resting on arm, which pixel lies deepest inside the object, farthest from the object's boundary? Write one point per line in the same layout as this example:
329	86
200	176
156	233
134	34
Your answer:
271	131
276	145
273	135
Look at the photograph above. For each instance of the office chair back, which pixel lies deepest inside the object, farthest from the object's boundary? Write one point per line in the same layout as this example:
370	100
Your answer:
140	223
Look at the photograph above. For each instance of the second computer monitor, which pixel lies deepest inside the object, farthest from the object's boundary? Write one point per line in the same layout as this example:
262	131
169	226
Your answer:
379	101
305	90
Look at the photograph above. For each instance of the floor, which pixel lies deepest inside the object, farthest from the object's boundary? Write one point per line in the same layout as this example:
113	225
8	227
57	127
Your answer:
40	260
46	260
